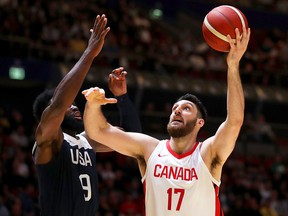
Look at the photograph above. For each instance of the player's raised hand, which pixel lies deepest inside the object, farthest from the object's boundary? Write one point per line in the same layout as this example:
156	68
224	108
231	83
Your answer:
98	34
96	96
117	82
238	46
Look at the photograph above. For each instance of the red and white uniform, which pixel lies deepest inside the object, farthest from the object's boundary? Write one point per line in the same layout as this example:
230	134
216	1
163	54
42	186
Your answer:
179	185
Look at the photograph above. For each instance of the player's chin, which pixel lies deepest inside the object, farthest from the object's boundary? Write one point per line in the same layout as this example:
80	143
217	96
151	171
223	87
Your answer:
174	126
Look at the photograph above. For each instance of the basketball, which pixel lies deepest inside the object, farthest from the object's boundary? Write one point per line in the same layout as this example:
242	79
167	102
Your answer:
220	22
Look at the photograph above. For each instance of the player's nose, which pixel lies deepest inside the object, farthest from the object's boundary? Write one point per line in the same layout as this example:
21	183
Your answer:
74	108
177	111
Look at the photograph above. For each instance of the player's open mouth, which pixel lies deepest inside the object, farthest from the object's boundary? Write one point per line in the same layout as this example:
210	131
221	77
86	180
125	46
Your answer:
77	115
176	121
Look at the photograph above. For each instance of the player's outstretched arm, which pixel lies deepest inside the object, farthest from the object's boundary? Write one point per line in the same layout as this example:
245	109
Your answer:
128	143
49	128
68	88
222	144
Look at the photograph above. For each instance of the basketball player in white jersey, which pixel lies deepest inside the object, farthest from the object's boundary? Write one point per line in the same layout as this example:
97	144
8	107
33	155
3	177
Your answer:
181	177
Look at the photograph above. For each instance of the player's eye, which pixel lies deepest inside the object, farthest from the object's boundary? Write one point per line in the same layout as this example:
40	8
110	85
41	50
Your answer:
187	108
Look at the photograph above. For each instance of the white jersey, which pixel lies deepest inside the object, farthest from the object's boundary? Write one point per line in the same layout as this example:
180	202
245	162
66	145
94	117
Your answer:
179	185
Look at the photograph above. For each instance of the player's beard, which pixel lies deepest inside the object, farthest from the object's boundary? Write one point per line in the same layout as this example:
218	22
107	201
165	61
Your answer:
71	124
181	131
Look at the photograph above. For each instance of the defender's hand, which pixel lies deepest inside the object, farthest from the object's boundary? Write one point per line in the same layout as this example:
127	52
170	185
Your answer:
117	82
98	34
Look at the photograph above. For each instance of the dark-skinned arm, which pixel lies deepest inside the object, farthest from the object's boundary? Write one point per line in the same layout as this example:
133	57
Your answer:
49	134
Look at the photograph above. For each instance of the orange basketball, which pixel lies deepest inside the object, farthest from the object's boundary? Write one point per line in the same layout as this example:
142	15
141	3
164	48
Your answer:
220	22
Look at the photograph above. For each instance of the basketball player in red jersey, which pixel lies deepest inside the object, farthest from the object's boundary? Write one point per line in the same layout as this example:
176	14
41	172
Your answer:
181	177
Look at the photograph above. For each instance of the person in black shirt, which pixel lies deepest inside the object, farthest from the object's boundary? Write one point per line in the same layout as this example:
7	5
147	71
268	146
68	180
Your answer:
64	156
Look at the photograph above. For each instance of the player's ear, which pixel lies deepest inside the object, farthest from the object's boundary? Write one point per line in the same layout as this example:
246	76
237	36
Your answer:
200	122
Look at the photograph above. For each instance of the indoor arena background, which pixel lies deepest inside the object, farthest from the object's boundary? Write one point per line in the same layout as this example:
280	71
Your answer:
161	46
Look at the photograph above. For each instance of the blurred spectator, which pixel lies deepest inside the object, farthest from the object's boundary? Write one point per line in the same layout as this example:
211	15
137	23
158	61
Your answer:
129	206
257	130
3	209
19	137
266	208
264	132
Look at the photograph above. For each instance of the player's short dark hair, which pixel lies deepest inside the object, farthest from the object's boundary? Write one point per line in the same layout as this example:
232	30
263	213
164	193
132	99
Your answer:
41	102
201	108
